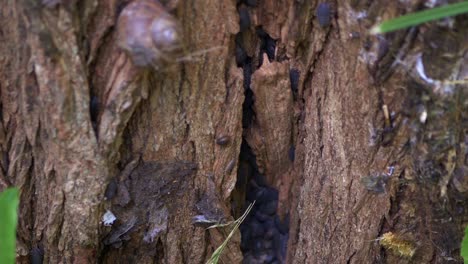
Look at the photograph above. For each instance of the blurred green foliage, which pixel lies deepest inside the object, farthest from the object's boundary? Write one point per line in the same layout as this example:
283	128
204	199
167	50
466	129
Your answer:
464	246
416	18
9	200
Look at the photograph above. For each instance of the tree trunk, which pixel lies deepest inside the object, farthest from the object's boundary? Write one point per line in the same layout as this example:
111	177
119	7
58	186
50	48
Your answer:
354	146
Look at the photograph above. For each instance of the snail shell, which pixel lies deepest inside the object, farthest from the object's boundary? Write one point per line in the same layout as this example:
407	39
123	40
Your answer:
149	34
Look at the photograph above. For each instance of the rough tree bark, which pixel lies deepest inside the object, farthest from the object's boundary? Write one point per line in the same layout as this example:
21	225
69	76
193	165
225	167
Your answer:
77	114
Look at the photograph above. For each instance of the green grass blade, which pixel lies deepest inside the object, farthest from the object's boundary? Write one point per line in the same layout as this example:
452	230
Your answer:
417	18
8	219
217	253
464	246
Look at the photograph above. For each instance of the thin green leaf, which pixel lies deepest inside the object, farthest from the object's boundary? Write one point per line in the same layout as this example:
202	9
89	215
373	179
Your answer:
217	253
417	18
8	220
464	246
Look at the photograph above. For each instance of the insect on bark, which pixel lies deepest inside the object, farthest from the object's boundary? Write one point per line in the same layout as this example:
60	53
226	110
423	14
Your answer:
324	13
37	255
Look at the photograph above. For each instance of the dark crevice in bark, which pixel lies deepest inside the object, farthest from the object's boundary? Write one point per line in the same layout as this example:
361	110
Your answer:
5	164
294	76
318	55
298	118
33	202
320	121
159	258
267	45
94	112
248	71
248	114
351	258
264	234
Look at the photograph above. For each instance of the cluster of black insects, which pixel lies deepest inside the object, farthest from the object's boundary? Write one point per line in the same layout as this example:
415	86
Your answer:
264	235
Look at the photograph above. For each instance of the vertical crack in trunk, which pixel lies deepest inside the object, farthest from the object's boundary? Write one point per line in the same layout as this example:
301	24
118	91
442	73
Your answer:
264	234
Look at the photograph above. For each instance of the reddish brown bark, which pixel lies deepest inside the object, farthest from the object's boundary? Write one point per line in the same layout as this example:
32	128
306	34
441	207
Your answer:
154	132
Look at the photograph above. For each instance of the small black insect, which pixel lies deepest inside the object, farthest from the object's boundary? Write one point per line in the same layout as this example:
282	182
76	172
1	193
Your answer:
223	140
294	75
94	107
270	47
259	180
292	153
94	111
268	44
324	14
266	194
37	255
111	189
244	18
247	73
241	55
269	208
282	226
